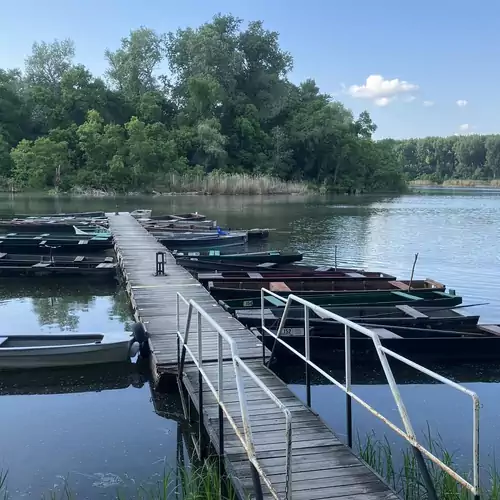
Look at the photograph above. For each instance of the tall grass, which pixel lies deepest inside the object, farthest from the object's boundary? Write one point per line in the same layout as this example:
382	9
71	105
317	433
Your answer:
222	183
406	478
193	482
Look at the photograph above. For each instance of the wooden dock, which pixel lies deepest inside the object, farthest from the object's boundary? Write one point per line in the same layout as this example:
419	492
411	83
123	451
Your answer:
322	467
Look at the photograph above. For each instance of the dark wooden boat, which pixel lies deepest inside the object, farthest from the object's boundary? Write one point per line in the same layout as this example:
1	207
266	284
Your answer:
274	256
48	227
422	298
178	241
56	238
409	317
191	216
58	246
478	343
313	287
7	259
62	214
47	266
252	234
205	265
305	278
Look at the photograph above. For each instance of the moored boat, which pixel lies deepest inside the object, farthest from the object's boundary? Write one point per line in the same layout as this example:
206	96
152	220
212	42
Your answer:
243	289
63	349
201	240
273	256
420	298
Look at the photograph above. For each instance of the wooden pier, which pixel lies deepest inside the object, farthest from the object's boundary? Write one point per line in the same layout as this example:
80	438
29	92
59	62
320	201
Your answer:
322	467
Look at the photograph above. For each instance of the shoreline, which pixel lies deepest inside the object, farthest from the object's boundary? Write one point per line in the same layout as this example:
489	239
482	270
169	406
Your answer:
466	183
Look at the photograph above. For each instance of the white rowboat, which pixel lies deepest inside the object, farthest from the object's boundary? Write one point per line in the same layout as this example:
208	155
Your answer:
64	349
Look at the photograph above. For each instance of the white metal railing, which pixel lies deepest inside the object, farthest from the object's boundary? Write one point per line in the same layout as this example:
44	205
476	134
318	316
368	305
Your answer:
408	434
238	365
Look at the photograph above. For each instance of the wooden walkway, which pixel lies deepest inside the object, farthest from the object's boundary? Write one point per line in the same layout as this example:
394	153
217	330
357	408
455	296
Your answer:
322	467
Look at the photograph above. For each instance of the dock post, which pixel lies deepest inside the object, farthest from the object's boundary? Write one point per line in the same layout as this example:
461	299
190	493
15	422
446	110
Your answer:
160	264
256	483
348	385
201	453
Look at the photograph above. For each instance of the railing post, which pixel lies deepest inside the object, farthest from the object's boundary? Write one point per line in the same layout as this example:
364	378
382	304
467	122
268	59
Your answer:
263	331
284	317
348	385
200	388
186	338
307	349
177	315
220	390
475	445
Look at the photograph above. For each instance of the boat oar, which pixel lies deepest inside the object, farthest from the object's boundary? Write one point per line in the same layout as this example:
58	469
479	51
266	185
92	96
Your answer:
412	271
423	309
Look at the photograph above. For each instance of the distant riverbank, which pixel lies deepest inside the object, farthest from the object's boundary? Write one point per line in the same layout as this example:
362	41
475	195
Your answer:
492	184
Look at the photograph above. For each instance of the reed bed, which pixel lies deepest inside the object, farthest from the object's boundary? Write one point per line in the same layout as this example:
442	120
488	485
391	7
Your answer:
405	478
230	184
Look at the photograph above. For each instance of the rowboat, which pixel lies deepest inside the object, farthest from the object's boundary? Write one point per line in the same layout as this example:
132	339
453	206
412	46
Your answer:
404	316
190	216
420	298
252	234
41	245
478	343
274	256
75	233
39	227
35	265
63	349
201	240
306	278
313	287
179	225
204	265
62	215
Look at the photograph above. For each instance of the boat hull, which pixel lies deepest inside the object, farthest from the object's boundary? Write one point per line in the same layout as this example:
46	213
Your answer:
254	257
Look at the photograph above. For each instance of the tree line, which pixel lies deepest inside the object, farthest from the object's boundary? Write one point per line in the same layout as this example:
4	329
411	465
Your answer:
439	159
215	98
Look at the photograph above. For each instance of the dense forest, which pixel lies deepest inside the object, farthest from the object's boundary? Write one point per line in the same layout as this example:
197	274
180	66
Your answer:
437	159
212	99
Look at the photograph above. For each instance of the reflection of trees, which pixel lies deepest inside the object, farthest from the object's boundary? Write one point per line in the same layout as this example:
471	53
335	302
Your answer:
120	308
56	301
60	311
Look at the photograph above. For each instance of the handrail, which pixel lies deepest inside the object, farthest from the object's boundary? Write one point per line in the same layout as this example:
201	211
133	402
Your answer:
408	434
238	364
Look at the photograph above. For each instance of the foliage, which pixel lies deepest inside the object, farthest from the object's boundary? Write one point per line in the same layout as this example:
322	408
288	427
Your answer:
227	105
439	159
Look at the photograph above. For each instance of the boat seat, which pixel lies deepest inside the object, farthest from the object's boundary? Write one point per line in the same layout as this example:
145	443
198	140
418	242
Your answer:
43	242
267	265
2	340
105	265
255	275
37	237
383	333
42	264
80	258
323	268
494	329
278	286
411	311
109	259
11	234
399	284
355	275
214	252
406	295
274	301
2	255
83	242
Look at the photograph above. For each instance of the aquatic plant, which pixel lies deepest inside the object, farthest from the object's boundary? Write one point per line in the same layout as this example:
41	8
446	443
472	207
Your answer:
406	479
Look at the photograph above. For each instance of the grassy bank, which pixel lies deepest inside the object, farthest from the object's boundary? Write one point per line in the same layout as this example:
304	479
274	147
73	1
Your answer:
494	183
406	479
200	482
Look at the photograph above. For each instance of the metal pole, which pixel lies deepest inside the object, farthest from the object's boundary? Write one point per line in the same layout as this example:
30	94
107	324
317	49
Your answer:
220	389
186	336
200	391
284	317
348	385
308	355
475	445
429	485
262	331
335	257
412	271
256	483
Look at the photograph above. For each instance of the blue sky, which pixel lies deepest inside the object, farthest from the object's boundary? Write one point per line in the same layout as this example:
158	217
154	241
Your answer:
407	63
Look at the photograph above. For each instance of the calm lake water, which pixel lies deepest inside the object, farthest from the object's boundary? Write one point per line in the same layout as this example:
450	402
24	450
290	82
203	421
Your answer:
98	428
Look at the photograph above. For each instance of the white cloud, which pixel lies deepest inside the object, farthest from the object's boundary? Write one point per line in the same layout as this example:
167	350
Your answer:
428	104
383	101
461	103
465	127
410	98
381	91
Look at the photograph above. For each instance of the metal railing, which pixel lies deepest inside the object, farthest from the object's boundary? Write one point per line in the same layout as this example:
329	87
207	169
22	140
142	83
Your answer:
239	366
408	433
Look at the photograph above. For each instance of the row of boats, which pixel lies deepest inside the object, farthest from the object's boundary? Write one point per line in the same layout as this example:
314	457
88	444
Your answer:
416	318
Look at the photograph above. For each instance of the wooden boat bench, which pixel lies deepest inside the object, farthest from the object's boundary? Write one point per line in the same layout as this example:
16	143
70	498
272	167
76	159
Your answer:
278	286
79	258
3	339
2	255
494	329
42	264
411	311
383	333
